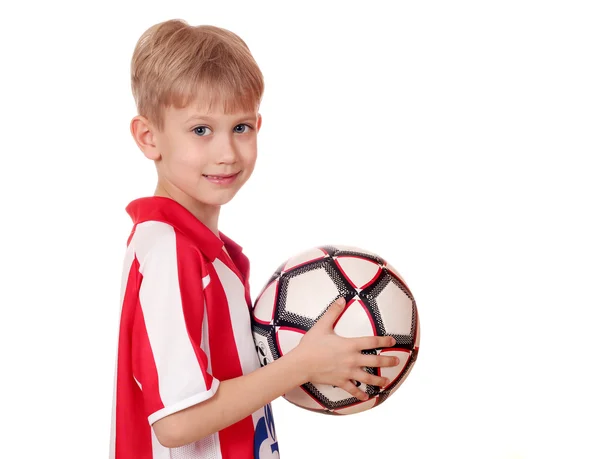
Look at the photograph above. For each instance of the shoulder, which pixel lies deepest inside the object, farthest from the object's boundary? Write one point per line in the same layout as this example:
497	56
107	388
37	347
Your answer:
156	242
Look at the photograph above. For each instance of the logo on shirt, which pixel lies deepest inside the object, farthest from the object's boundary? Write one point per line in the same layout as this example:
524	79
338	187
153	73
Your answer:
265	439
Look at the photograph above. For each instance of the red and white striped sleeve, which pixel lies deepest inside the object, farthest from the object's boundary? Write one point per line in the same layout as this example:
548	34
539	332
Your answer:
169	330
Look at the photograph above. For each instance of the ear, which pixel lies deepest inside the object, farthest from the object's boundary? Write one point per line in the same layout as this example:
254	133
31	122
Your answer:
142	132
258	122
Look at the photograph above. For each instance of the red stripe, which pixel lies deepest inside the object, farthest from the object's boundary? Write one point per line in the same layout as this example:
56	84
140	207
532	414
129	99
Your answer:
131	234
144	365
133	435
237	439
192	299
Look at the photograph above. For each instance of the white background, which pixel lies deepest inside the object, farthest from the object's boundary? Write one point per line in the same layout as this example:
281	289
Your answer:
459	140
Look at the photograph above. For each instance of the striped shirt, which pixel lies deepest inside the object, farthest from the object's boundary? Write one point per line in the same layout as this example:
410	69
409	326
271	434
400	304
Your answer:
185	326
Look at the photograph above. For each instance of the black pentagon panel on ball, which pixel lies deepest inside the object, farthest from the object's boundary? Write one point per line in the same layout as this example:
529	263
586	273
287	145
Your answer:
349	252
326	402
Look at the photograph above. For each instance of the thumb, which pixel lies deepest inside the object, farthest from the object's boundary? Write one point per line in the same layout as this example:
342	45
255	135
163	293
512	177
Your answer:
332	314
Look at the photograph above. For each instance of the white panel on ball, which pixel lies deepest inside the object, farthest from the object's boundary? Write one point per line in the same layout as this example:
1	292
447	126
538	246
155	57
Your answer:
359	270
288	339
404	376
310	293
265	306
299	397
333	394
396	310
304	257
393	372
354	322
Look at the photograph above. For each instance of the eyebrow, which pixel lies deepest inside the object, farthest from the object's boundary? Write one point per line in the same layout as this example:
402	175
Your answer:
199	117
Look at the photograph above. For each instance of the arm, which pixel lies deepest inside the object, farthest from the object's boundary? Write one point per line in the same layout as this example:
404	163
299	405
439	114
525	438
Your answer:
234	400
321	357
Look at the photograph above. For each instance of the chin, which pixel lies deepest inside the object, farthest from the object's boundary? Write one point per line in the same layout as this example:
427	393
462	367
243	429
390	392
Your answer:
218	201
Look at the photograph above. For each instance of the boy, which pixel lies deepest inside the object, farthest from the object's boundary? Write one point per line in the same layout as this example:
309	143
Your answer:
188	380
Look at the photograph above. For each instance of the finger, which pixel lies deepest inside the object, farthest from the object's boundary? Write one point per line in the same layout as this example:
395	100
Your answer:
378	361
374	342
368	378
354	391
332	314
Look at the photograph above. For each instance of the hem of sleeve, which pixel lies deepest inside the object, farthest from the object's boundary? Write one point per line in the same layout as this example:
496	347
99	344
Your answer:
183	404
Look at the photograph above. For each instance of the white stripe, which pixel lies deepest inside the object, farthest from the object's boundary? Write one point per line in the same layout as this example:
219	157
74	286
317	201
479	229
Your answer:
206	281
240	322
127	262
204	341
217	450
239	315
179	375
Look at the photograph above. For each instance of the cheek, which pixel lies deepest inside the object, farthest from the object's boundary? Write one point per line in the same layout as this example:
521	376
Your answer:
249	154
182	167
251	159
184	155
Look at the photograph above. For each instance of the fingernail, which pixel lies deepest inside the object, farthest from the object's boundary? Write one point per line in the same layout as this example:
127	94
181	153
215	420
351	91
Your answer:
340	301
397	361
392	341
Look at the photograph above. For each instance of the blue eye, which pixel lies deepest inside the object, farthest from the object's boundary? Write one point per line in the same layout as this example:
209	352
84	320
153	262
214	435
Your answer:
202	131
241	128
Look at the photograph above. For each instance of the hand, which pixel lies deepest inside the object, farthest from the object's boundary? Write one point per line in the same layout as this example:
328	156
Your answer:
331	359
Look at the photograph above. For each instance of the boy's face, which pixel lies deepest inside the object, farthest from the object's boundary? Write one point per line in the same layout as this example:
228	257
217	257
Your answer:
205	156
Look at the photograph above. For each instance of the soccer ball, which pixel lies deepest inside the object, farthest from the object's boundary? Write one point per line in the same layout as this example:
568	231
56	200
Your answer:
378	302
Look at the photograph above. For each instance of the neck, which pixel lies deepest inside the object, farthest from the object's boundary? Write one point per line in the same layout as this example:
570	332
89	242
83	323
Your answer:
207	214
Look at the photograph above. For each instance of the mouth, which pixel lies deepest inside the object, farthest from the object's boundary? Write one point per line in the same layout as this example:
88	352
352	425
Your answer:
221	179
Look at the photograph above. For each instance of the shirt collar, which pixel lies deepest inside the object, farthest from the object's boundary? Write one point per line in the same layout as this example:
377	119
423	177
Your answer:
167	210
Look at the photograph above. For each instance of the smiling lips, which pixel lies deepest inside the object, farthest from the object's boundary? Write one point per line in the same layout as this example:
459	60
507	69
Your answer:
221	179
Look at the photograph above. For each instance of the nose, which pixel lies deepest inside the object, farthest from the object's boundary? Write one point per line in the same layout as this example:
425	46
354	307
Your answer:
226	150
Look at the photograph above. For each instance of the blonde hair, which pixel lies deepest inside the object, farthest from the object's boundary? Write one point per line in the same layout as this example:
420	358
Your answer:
174	64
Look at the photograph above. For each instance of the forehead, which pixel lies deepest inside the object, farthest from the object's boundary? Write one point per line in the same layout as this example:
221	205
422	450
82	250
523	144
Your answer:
199	108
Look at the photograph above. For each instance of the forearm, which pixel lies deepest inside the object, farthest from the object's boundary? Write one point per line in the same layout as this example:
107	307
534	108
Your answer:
234	400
